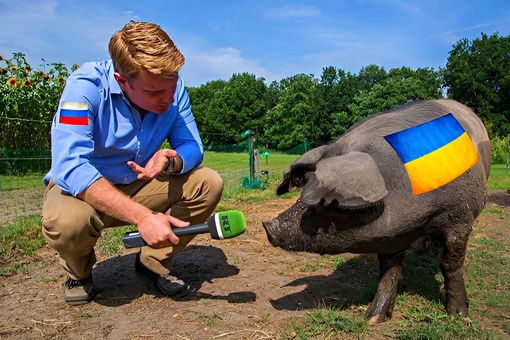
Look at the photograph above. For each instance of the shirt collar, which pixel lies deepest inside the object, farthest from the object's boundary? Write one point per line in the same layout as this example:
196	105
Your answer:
114	86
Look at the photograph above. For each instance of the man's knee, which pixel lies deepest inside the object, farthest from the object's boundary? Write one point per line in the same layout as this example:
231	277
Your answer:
70	223
212	184
215	182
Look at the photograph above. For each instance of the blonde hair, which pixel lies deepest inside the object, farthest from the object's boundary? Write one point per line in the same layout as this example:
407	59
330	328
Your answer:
144	45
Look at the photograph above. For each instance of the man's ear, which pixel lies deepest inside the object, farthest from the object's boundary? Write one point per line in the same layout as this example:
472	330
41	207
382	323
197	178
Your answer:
121	80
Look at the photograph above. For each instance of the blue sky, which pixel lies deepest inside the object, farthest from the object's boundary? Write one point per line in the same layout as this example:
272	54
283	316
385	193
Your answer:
270	39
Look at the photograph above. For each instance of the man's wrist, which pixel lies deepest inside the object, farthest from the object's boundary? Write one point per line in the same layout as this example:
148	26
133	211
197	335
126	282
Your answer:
177	168
170	166
174	166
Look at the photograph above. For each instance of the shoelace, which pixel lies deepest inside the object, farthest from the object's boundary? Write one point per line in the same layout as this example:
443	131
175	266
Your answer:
170	277
70	283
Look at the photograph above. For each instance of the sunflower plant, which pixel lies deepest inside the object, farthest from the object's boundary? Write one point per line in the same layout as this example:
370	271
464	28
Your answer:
28	100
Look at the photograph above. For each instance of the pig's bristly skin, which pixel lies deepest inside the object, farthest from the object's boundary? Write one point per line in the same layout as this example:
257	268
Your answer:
356	197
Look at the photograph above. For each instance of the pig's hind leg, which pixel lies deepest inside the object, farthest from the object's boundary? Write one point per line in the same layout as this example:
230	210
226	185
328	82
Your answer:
452	267
390	273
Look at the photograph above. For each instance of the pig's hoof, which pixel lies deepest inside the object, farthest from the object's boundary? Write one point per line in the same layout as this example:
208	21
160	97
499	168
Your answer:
372	320
465	320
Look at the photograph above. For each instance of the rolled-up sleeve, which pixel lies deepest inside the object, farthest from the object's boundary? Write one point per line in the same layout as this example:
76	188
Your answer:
184	137
71	138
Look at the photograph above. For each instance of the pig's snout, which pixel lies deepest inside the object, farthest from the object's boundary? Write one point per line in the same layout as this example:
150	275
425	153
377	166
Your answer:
270	227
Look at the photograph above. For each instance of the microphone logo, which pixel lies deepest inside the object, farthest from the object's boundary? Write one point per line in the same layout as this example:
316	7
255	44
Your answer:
225	223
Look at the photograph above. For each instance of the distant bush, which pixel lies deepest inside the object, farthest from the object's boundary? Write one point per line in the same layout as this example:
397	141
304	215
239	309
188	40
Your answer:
500	149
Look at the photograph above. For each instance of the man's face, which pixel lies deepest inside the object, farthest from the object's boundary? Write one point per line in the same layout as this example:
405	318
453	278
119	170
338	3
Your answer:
148	91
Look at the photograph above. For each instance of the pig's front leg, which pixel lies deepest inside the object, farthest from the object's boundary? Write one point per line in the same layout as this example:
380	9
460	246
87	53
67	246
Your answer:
381	308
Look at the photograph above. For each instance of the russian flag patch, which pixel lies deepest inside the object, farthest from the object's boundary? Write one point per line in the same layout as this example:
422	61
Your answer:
74	113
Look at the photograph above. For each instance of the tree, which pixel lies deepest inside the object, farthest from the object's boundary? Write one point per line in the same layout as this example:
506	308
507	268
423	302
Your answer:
370	75
340	88
245	98
223	110
204	103
295	116
477	74
399	86
335	90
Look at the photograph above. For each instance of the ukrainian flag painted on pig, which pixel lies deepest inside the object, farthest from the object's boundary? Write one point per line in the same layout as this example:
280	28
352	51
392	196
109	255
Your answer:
434	153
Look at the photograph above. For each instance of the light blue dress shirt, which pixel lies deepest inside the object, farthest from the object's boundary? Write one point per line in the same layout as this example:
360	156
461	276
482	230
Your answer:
115	133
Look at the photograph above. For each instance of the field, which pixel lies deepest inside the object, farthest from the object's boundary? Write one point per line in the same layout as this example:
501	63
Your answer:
242	287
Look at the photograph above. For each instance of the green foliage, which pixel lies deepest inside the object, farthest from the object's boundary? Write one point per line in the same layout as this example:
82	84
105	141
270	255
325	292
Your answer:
298	109
477	74
223	110
295	117
28	101
301	107
500	150
399	86
336	90
20	162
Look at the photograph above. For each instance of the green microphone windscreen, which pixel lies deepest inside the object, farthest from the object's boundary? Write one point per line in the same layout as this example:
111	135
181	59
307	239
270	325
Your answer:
226	224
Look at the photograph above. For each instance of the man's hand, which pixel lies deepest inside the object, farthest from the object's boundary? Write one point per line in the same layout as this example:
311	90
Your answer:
154	166
156	229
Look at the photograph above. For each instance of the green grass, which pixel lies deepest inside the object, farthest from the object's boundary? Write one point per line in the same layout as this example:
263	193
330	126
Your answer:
24	232
325	323
18	241
499	178
233	167
20	182
419	310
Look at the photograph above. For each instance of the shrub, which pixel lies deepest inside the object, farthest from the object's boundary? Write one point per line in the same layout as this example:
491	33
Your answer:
500	150
28	101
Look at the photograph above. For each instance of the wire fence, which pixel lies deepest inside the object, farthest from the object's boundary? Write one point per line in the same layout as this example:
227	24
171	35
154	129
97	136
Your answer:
22	162
25	151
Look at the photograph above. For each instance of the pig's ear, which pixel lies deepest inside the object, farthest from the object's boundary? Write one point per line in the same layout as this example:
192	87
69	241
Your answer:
295	176
352	179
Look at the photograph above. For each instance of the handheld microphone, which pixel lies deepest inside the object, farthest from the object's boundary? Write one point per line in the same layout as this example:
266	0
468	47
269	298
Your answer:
224	224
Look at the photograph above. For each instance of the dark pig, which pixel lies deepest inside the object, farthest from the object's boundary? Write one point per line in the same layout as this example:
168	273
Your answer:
392	181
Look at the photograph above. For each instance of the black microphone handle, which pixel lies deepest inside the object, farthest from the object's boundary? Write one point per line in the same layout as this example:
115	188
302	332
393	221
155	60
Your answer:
133	239
193	229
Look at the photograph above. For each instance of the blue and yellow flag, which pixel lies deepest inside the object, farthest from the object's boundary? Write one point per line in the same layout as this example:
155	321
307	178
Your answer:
434	153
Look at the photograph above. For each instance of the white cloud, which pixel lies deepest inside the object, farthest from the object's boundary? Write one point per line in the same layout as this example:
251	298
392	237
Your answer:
272	43
292	12
69	33
218	63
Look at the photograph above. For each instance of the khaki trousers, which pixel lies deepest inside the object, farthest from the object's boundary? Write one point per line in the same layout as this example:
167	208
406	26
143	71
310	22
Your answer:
72	227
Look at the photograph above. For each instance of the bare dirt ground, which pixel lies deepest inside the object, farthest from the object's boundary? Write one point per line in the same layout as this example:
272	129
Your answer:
243	288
